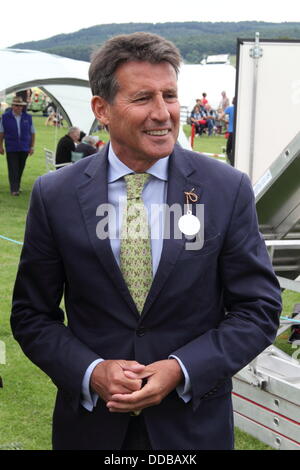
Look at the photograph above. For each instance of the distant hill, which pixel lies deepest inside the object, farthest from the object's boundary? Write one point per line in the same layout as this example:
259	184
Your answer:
194	39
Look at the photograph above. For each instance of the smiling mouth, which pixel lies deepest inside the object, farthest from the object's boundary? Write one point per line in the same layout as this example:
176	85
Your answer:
161	132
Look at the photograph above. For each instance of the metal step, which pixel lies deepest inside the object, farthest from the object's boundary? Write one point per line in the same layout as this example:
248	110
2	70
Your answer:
266	399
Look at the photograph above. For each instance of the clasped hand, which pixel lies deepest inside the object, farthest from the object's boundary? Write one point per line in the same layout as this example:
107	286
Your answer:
120	383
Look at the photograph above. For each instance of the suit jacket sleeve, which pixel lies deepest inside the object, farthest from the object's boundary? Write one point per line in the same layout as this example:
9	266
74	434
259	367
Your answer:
37	320
252	304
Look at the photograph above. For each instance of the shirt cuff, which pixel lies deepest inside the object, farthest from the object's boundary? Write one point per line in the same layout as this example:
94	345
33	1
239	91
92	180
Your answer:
183	390
89	399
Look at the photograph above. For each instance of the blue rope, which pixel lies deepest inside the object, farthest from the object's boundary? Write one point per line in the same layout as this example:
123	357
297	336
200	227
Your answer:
290	319
11	240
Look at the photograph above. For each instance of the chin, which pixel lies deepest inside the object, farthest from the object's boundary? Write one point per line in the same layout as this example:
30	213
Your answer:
158	155
161	151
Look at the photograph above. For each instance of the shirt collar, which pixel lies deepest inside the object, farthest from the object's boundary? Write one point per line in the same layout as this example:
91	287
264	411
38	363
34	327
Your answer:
117	169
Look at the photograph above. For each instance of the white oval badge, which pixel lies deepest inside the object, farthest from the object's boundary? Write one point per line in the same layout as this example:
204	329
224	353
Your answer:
189	224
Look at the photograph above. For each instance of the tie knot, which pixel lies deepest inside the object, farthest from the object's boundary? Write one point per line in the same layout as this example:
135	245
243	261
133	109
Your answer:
135	183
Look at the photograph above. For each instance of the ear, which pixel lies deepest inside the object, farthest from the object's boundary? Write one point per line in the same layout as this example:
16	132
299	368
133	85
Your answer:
100	108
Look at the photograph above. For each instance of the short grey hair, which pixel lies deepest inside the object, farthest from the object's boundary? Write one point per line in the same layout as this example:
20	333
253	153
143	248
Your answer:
141	47
73	129
90	139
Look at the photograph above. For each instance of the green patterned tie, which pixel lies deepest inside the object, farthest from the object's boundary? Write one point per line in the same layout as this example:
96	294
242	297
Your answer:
135	253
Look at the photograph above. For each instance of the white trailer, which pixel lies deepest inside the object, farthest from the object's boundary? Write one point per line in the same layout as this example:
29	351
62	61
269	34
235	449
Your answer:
266	393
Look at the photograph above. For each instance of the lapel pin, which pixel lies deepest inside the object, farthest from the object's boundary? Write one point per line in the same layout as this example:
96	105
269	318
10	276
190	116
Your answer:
188	223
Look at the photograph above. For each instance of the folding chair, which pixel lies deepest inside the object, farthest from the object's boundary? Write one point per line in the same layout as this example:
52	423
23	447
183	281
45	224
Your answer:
51	165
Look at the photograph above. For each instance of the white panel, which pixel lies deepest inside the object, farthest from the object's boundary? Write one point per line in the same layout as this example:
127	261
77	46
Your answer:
277	105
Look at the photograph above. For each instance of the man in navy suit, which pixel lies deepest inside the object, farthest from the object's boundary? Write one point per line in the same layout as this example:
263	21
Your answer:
159	378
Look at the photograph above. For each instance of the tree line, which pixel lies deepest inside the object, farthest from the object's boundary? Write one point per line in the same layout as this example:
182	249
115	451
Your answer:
195	40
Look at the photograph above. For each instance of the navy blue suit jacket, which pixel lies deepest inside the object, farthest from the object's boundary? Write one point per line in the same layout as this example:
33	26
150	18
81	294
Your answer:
215	308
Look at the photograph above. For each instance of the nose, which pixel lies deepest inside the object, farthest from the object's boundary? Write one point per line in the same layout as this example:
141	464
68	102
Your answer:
160	111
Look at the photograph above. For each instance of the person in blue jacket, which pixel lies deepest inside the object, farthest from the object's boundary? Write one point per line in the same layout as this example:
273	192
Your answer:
230	112
17	130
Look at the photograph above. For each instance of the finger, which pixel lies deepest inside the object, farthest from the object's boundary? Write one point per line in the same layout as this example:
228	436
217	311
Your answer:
134	385
132	401
141	375
117	407
130	375
129	398
124	408
127	385
133	366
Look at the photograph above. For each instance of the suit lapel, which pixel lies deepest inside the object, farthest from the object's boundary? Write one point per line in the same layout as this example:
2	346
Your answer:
180	180
91	195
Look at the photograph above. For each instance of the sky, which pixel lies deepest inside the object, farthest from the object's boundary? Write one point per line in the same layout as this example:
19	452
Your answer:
30	20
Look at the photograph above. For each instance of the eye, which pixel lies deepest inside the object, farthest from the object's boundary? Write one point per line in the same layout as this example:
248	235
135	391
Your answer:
171	97
141	99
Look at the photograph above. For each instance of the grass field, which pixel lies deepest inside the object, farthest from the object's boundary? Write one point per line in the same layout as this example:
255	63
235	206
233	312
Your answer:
26	401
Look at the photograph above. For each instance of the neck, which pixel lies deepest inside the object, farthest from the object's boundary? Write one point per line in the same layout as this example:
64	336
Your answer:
138	166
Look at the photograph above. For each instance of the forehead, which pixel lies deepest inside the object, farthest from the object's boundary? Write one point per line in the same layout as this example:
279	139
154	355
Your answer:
134	76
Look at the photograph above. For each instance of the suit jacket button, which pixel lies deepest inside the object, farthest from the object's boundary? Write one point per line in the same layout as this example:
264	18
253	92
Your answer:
141	332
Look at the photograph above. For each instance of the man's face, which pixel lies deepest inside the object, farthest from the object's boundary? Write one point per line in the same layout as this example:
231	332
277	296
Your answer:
17	109
143	119
75	135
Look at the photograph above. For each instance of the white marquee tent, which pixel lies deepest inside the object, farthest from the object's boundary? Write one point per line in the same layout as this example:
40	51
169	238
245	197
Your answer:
66	82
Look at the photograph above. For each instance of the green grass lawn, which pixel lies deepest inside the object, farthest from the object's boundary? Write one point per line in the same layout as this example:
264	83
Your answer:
214	144
26	401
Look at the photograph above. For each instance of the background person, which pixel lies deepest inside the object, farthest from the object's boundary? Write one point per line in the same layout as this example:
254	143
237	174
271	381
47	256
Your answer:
229	146
87	146
210	118
18	133
81	136
196	117
155	330
224	103
66	145
204	100
219	121
54	119
26	97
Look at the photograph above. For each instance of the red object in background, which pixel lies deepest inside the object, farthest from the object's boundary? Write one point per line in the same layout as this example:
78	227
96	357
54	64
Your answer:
100	143
226	135
193	135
